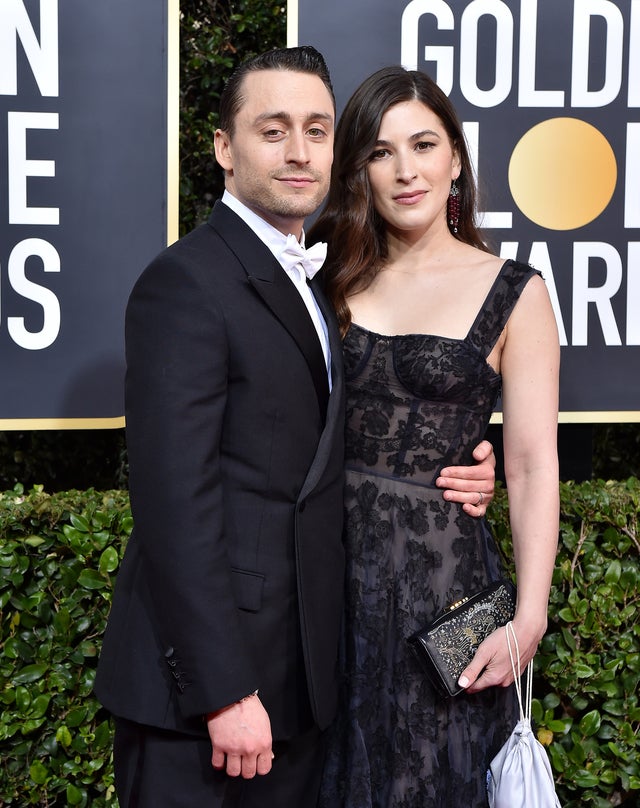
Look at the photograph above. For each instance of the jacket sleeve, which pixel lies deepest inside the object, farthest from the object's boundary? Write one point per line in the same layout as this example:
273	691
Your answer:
176	393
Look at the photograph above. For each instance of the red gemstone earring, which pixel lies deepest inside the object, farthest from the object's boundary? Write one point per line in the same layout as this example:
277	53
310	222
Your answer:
453	207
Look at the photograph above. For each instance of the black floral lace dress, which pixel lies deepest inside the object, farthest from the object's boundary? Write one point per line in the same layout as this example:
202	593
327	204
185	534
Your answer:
415	404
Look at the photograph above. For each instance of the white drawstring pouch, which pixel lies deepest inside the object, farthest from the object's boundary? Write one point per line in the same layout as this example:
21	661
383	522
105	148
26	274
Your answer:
520	774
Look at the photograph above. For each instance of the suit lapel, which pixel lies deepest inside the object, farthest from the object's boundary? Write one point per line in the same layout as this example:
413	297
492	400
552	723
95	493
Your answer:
333	433
335	340
278	292
285	302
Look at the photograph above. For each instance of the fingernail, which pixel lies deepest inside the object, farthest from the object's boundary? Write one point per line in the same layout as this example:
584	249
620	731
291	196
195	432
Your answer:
463	681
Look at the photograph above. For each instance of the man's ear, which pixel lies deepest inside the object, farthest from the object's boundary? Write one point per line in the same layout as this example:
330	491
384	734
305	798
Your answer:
222	146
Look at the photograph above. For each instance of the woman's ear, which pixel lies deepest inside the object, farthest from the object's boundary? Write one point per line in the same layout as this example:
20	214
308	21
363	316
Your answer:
456	166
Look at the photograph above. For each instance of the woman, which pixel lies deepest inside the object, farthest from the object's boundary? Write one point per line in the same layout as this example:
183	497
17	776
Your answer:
435	328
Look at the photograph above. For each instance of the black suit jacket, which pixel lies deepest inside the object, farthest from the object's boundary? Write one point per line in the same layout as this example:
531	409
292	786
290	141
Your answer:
233	577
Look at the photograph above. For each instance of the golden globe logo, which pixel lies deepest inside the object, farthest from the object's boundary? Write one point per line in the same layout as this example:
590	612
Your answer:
562	173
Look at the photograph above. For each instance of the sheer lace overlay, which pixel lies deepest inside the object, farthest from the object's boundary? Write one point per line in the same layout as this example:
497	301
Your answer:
415	404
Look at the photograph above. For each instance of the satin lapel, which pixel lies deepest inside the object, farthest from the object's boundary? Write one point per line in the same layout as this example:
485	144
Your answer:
285	302
333	433
335	340
272	284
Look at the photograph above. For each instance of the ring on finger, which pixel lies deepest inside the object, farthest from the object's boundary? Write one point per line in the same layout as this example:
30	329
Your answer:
480	499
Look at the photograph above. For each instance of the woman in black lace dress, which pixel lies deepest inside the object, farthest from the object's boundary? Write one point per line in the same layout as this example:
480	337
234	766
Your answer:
435	328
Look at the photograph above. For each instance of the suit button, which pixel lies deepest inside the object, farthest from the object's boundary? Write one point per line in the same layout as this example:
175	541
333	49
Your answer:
302	506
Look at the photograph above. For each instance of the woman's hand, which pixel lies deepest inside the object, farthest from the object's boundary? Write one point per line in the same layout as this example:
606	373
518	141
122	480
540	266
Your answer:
491	665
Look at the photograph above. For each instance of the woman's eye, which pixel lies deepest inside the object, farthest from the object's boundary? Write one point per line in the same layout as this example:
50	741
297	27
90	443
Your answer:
379	154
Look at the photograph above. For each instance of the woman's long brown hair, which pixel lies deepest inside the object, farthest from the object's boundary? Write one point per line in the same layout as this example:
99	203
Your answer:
355	233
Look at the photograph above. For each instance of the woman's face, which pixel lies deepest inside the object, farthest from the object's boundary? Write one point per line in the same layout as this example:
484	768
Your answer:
411	168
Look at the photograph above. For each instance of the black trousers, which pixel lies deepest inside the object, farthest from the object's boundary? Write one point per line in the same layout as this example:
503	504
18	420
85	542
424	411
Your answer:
157	768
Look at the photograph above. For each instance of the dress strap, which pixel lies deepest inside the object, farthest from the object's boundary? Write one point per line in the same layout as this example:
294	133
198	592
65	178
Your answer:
498	305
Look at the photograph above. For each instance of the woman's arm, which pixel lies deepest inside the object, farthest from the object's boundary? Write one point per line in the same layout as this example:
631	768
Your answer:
529	364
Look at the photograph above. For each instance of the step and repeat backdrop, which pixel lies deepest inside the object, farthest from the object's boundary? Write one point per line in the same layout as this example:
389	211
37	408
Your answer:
549	94
88	108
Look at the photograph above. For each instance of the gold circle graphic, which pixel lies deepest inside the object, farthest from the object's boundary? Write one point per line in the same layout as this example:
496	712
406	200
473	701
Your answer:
562	173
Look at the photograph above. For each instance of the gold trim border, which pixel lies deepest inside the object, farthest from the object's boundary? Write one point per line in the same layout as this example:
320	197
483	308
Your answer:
598	417
173	120
17	424
292	24
34	424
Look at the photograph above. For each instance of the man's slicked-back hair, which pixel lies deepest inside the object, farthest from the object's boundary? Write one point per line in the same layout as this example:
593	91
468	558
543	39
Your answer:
304	59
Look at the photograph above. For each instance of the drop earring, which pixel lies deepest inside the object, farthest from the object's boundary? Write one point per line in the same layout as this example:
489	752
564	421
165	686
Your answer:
453	207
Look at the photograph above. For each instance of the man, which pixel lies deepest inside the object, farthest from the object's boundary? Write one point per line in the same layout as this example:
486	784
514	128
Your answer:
221	647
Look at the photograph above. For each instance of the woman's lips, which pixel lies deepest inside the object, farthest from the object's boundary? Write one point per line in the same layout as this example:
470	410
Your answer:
409	198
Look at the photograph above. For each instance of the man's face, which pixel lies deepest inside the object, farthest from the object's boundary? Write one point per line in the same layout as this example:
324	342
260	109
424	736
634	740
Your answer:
278	160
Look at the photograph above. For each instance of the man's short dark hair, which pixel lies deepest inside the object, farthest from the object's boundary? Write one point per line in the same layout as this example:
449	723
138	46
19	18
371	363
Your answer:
304	59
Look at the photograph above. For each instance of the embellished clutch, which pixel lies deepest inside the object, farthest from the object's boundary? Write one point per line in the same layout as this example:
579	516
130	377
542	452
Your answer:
446	646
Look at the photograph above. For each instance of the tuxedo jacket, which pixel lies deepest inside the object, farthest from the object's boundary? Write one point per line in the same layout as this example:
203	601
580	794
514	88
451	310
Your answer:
232	579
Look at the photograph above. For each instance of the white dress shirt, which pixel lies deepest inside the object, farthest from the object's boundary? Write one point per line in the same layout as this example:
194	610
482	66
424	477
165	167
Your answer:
276	242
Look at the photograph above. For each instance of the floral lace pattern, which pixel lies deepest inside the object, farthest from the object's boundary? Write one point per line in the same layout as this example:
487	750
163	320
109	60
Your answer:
415	404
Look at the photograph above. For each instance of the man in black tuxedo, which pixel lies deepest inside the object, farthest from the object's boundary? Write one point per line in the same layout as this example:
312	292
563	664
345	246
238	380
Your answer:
221	646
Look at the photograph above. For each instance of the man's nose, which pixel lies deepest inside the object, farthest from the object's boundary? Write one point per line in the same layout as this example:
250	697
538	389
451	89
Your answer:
297	148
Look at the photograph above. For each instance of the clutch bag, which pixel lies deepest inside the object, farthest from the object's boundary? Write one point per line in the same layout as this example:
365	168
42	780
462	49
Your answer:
446	646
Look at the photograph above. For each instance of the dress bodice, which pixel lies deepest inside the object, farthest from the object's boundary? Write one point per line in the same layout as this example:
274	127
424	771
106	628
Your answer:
419	402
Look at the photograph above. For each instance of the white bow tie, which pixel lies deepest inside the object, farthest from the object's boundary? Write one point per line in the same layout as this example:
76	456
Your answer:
310	260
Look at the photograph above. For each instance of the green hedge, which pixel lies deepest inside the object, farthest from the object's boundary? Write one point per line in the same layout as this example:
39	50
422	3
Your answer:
58	557
588	667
